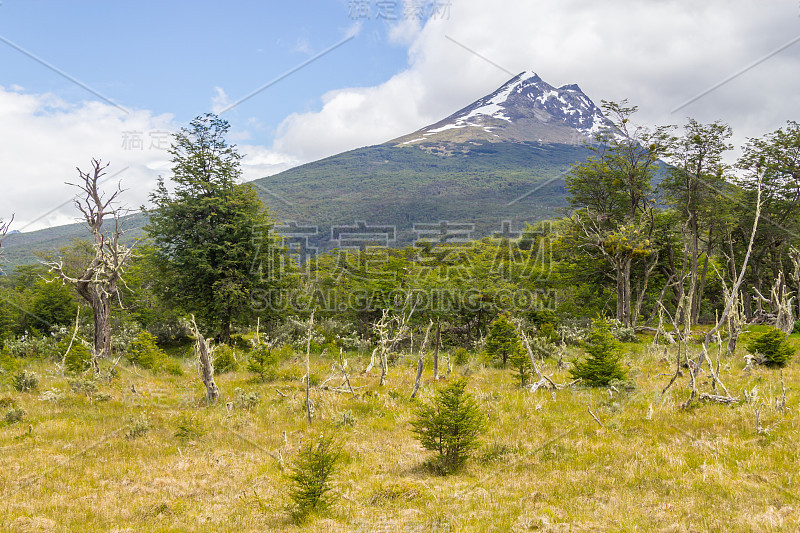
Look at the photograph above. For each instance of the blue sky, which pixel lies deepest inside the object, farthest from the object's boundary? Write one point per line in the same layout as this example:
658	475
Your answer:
170	57
167	62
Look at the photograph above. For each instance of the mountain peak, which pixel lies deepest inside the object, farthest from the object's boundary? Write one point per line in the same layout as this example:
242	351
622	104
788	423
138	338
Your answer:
524	109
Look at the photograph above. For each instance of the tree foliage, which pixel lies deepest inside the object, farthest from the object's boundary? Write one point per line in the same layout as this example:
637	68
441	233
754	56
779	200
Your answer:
210	231
311	473
611	193
450	425
503	342
773	346
602	365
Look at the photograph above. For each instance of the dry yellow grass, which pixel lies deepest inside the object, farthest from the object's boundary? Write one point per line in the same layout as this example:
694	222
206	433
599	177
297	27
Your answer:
77	464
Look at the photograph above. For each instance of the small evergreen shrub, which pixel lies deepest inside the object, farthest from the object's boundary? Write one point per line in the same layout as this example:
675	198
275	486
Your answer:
25	381
450	426
225	359
144	351
603	362
310	476
263	362
522	366
772	346
79	357
503	342
172	367
137	427
461	356
15	415
189	428
546	322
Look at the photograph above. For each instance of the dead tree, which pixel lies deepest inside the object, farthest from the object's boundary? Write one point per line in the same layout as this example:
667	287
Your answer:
309	407
4	228
390	330
729	304
780	305
420	361
205	363
97	284
437	342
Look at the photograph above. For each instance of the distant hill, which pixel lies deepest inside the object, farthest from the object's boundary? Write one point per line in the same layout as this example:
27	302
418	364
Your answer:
25	248
499	159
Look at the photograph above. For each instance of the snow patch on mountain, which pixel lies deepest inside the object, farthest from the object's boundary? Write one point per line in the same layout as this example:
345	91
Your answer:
526	96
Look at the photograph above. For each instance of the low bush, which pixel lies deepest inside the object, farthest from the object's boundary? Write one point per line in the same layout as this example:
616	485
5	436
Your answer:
144	351
772	346
79	357
310	476
450	425
225	359
14	415
603	362
25	381
263	362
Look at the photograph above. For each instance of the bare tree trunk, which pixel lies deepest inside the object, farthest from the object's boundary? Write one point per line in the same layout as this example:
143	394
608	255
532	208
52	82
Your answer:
626	287
698	300
206	366
648	270
436	351
308	367
728	305
420	362
101	309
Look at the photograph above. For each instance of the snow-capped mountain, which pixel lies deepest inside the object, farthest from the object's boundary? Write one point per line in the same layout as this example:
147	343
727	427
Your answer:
524	109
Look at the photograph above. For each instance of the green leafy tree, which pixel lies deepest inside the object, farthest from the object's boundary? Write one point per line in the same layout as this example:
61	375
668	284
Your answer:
611	193
53	304
450	425
603	362
503	342
211	231
696	187
310	475
773	346
775	159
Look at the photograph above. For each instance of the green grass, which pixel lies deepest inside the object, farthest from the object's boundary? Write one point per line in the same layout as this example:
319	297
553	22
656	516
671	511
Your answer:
544	465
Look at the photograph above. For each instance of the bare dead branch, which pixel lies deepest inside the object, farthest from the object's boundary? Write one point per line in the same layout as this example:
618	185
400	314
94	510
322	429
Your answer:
205	363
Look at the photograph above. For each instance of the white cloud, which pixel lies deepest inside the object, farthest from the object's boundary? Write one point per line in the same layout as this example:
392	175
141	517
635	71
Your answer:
656	54
43	140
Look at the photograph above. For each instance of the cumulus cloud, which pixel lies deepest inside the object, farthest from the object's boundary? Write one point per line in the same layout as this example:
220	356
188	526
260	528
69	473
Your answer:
659	55
44	138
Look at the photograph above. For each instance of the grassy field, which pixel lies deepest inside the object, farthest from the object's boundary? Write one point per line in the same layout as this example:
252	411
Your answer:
159	459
